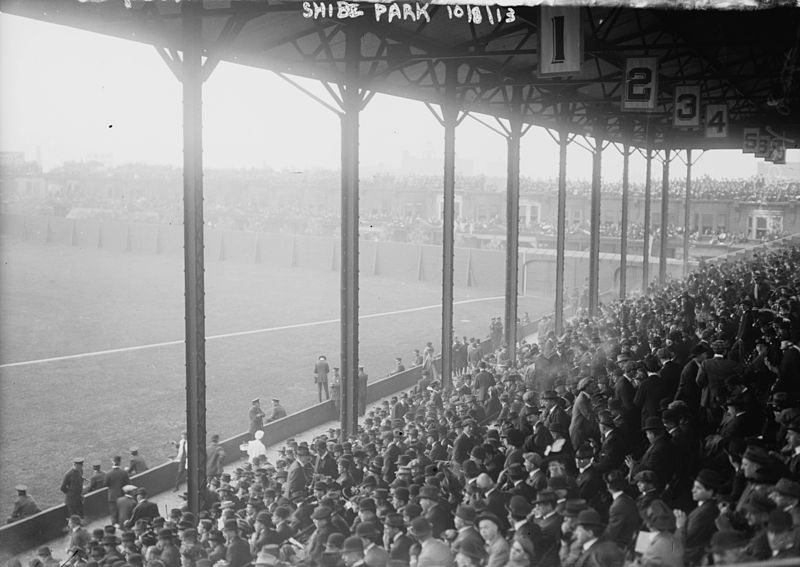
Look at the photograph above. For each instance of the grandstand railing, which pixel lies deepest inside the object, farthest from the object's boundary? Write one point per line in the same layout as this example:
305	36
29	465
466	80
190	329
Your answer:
749	252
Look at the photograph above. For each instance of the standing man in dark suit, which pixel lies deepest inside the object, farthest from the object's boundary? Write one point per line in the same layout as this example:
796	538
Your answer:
363	379
789	370
688	390
145	510
463	444
72	487
326	464
296	481
483	381
660	455
256	416
670	372
652	390
125	505
553	410
116	478
591	486
714	378
625	393
623	516
699	526
612	444
321	371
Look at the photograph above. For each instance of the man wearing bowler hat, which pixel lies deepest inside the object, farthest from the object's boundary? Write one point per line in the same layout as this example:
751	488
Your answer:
519	508
554	410
395	540
595	550
353	552
432	552
660	456
433	511
623	516
145	510
786	496
590	480
72	488
546	516
464	521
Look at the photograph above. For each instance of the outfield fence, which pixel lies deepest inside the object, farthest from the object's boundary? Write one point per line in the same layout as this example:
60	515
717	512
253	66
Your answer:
473	267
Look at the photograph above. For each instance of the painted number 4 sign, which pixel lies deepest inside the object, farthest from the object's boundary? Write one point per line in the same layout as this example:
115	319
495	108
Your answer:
716	121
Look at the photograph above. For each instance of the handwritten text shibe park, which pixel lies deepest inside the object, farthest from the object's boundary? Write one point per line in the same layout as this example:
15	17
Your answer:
401	11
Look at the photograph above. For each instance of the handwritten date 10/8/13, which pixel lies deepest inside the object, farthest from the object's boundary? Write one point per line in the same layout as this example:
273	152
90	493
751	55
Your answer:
402	11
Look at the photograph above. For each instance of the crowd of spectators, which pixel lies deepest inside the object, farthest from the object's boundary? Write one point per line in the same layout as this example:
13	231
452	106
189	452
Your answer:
663	431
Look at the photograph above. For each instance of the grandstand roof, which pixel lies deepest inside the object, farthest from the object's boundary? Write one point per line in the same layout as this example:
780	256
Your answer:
743	58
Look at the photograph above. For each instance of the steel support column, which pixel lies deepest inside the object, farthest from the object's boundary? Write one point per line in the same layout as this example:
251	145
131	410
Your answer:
450	121
561	219
662	254
351	106
646	242
686	212
192	79
512	231
594	236
623	248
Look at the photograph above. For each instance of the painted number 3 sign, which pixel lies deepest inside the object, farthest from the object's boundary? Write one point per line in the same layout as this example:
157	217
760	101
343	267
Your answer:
641	84
686	107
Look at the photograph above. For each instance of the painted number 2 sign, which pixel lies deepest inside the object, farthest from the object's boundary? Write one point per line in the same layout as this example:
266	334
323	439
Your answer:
641	84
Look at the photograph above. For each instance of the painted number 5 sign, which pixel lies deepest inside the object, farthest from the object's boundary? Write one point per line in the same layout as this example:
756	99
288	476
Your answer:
686	107
641	84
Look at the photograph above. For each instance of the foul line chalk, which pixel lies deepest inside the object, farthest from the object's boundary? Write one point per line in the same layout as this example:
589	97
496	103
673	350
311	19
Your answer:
238	334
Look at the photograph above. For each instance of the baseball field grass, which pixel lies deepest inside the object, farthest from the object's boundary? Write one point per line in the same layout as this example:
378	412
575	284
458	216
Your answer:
92	359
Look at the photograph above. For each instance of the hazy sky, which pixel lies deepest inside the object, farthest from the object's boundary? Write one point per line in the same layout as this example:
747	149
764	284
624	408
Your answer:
75	94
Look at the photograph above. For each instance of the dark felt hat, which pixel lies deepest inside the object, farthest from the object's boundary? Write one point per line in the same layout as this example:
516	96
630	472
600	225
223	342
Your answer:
519	506
590	517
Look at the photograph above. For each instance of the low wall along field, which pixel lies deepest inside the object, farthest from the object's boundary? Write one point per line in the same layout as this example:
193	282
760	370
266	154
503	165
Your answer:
402	261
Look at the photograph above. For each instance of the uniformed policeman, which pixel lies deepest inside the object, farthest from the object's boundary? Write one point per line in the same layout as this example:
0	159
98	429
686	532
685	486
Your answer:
24	505
98	478
72	487
137	464
278	411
